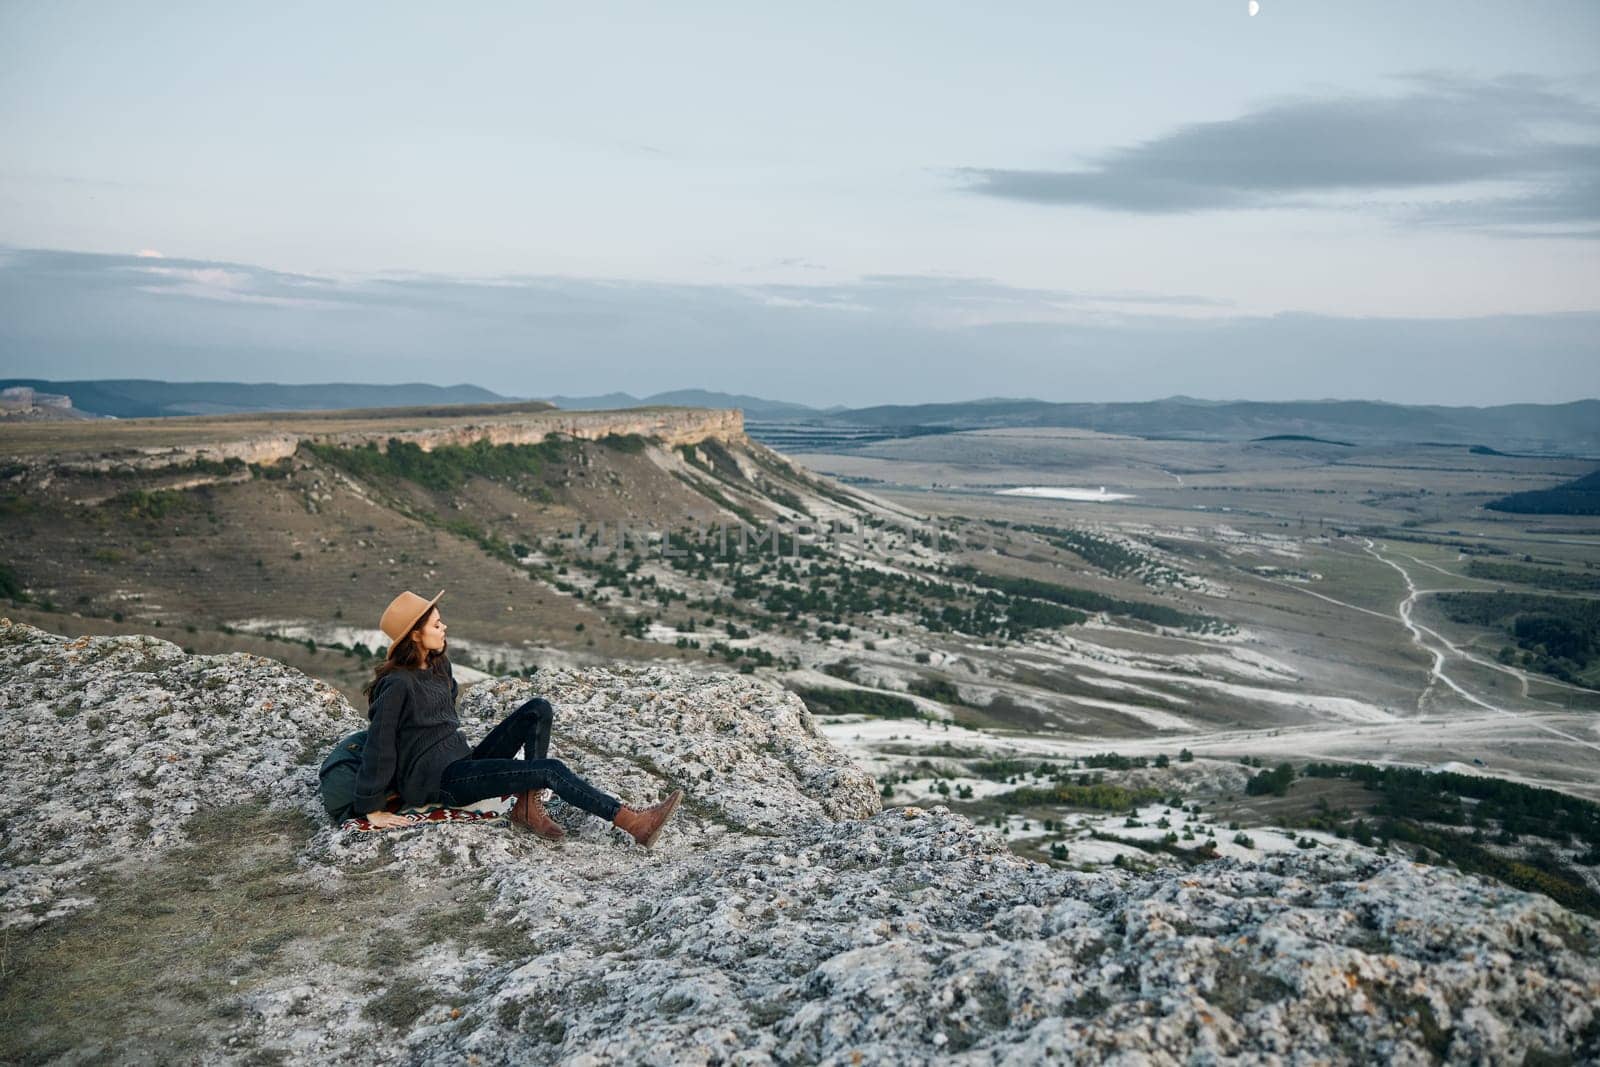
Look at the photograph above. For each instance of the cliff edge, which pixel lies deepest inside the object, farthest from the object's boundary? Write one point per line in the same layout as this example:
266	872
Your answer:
168	869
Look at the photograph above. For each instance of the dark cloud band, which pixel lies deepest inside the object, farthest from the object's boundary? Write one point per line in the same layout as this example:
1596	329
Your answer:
1446	131
879	339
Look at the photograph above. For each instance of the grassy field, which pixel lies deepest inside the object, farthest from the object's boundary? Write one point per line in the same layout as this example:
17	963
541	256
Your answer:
176	941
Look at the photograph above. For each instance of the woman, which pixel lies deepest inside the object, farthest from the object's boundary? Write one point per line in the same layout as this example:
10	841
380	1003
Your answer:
415	744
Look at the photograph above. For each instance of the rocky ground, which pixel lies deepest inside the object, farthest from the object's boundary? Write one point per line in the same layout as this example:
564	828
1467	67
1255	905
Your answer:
784	917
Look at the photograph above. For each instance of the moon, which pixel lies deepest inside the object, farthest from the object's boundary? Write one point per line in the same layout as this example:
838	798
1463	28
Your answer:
1255	8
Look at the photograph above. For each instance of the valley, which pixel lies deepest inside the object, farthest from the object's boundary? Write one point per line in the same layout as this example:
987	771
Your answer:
1202	609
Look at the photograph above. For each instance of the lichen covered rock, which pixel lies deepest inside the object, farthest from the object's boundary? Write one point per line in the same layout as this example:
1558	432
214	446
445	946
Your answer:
782	918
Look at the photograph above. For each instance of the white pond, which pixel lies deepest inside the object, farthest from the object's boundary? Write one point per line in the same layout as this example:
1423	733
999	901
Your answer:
1065	492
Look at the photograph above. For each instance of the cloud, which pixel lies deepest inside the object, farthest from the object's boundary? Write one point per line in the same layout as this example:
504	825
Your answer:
878	339
960	300
926	300
150	272
1300	151
1562	204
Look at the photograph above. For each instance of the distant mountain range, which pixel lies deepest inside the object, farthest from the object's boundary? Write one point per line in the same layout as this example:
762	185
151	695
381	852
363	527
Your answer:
133	398
1572	427
752	406
1558	428
141	398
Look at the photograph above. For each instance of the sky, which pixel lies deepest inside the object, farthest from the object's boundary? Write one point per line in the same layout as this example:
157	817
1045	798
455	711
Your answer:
822	203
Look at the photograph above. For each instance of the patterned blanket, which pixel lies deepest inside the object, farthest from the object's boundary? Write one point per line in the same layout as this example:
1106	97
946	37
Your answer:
489	809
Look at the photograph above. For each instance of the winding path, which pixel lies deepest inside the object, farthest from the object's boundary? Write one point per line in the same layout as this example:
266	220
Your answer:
1445	649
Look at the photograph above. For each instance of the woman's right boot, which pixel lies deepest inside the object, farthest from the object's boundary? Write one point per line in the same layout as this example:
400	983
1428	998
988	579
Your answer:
529	811
645	823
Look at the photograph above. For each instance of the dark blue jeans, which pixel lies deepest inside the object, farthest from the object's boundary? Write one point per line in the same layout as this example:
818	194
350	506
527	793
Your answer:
493	771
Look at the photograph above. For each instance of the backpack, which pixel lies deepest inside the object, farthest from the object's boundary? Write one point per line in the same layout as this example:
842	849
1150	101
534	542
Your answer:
338	776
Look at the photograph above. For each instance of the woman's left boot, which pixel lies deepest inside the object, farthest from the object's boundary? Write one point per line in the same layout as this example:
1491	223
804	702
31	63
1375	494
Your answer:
645	824
529	811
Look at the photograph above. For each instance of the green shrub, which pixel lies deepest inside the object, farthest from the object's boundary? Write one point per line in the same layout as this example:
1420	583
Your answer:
10	587
447	467
1100	797
824	701
630	443
158	504
936	689
1275	781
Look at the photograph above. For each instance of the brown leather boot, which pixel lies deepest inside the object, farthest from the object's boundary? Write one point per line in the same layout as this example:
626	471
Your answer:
646	823
529	811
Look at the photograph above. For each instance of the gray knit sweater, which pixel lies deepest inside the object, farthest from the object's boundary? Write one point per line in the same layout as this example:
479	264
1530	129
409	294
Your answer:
414	735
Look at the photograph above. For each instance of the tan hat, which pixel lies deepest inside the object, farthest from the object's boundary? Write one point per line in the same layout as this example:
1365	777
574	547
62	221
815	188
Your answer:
403	614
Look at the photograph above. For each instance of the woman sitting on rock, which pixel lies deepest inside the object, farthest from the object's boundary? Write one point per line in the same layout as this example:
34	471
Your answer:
415	744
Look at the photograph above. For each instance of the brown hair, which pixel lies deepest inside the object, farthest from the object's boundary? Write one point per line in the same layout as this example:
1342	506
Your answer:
406	655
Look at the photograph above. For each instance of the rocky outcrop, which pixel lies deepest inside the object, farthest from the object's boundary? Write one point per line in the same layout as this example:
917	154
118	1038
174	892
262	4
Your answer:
25	398
674	426
782	918
263	448
251	444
